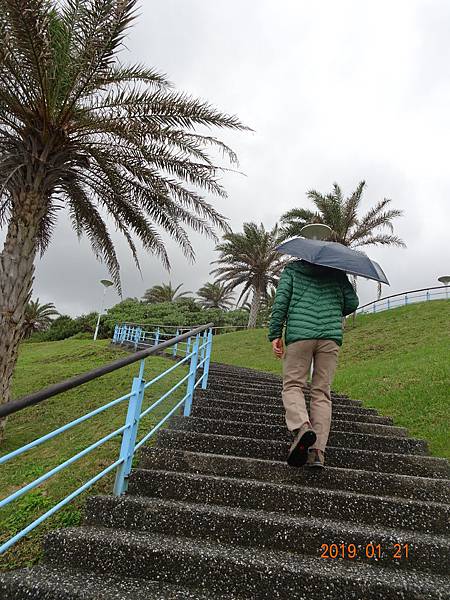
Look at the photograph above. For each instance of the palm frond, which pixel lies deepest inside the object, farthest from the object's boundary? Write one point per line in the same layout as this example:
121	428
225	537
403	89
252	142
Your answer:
82	130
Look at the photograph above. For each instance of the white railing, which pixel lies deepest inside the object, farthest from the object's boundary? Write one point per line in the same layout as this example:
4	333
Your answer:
403	299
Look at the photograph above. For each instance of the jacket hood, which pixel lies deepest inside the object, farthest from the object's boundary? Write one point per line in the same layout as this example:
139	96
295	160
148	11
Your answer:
308	268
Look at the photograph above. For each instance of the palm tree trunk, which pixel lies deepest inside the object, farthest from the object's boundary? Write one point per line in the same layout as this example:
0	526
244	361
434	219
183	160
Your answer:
16	278
256	301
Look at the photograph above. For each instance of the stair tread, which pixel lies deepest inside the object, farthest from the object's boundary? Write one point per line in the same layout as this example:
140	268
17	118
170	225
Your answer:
219	556
277	443
255	468
57	584
277	408
241	481
338	420
288	520
352	506
279	433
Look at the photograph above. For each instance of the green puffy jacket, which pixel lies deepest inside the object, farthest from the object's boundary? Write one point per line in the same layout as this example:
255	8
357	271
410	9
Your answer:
311	302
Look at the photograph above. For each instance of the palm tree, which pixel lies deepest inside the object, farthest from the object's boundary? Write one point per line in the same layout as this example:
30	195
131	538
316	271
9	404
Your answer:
38	317
216	295
250	259
164	293
84	132
342	216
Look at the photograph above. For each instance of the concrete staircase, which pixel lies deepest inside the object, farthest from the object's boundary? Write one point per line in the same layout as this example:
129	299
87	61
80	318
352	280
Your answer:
213	511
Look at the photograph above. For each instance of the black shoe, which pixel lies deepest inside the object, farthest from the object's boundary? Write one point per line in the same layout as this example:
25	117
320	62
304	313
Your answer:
298	452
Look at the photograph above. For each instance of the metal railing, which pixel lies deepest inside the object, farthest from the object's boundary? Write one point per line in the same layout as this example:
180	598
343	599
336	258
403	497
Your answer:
403	299
152	328
198	354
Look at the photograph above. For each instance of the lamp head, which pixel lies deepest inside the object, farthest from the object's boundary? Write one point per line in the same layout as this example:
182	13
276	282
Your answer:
316	231
106	283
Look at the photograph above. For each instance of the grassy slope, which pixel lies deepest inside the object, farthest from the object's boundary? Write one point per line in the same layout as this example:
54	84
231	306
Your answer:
40	365
396	361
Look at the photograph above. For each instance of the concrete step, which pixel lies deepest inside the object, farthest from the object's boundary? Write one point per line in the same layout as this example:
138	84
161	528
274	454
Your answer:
250	381
232	383
348	413
259	431
59	583
338	423
253	573
271	530
351	480
383	511
243	373
262	395
367	460
276	408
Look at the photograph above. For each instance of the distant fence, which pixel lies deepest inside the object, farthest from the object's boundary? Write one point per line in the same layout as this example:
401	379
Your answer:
403	299
152	331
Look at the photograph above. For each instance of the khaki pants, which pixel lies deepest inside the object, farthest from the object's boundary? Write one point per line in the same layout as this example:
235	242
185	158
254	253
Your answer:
296	366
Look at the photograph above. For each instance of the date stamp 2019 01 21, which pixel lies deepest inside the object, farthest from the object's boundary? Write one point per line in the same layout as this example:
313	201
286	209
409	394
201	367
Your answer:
369	551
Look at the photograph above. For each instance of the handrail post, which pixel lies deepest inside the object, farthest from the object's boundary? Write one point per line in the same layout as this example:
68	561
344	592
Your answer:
204	342
130	434
175	348
406	299
156	337
191	380
208	360
188	346
116	331
137	337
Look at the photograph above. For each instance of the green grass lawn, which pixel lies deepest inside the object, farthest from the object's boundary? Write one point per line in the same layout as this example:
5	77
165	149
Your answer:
396	361
40	365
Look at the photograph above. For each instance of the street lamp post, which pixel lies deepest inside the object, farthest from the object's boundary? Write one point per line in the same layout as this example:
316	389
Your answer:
106	284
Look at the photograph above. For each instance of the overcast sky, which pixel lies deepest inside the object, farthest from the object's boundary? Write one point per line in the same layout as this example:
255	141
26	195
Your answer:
335	91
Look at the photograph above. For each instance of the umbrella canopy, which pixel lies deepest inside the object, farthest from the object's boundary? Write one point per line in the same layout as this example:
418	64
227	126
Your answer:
334	255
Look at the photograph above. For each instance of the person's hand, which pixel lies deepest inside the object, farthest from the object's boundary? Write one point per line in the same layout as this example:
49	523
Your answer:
278	347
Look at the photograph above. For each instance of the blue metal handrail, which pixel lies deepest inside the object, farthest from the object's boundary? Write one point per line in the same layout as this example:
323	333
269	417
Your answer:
137	337
201	347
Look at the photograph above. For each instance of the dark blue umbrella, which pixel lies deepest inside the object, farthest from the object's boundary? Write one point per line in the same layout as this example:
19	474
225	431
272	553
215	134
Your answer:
334	255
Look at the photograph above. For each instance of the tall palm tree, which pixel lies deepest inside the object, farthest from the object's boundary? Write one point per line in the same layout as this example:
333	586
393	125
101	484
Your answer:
164	293
84	132
342	216
216	295
250	259
373	228
38	317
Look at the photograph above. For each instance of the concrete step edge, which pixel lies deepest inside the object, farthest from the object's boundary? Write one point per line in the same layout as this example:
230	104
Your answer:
388	484
274	530
368	460
271	418
403	445
45	582
277	408
354	507
255	573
